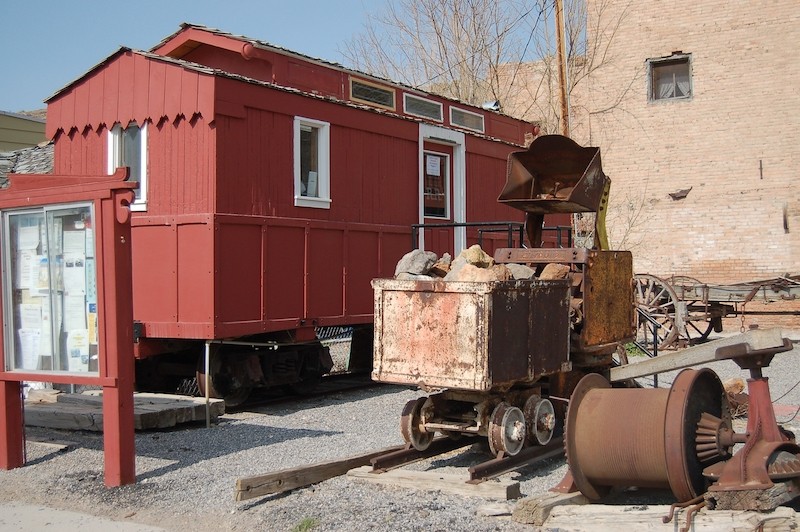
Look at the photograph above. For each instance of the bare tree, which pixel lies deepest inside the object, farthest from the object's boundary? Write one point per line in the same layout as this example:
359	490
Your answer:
531	88
449	47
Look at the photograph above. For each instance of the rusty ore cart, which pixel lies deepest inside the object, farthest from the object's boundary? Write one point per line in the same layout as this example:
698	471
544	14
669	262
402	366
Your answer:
496	353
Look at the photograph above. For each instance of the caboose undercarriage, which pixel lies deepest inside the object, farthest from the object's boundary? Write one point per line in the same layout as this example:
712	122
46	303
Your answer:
232	369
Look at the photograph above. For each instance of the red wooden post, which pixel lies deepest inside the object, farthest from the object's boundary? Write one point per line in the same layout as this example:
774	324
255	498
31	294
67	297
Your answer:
12	439
114	276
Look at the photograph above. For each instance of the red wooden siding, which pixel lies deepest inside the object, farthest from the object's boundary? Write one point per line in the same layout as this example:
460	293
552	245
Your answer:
123	90
223	276
173	266
373	159
82	153
181	166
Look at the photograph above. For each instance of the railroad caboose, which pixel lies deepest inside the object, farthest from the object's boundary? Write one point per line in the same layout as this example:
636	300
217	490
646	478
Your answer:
272	188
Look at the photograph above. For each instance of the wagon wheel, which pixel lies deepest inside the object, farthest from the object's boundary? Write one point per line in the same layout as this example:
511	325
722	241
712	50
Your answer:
411	425
698	322
657	299
506	430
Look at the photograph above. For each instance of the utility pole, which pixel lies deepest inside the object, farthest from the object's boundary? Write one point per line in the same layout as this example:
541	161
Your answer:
562	68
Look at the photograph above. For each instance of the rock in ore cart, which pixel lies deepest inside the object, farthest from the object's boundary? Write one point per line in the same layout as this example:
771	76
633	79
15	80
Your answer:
498	337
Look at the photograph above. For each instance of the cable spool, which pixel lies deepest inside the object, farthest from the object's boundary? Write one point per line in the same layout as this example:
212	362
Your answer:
640	437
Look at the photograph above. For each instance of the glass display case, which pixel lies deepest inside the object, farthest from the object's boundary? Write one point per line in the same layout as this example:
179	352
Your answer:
50	284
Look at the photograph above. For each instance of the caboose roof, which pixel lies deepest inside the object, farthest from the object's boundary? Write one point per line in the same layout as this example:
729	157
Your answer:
169	53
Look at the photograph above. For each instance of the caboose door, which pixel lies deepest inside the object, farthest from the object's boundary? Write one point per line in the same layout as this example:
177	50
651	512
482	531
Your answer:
442	177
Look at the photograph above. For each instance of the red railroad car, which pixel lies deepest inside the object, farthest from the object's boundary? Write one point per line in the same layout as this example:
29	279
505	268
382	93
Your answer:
272	188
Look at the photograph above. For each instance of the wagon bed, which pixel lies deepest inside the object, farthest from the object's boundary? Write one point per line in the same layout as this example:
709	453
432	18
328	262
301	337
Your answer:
687	310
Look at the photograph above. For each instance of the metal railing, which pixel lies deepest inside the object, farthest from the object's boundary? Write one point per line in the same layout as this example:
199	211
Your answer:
512	229
643	345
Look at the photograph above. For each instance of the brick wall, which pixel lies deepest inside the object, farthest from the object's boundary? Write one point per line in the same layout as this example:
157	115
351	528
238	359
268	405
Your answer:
735	143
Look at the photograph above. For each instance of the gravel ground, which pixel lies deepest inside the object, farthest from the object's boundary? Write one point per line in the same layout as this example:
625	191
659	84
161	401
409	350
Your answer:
186	477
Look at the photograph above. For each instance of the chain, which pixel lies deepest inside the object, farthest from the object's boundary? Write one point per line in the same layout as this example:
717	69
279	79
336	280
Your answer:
742	329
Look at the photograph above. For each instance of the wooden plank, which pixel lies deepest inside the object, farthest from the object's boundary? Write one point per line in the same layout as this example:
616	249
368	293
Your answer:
700	354
434	481
298	477
63	416
607	518
151	411
536	510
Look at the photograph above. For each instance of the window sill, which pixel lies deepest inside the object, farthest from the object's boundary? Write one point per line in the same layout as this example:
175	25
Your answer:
138	207
314	203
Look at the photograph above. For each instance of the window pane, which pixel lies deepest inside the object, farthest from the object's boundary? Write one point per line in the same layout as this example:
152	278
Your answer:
372	94
132	151
309	161
423	107
670	79
435	193
468	120
51	277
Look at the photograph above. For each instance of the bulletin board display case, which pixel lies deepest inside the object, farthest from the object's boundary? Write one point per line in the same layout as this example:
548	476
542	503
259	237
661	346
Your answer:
50	281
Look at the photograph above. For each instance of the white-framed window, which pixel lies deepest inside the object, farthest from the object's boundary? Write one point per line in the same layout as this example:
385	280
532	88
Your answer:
436	195
466	119
312	166
372	93
423	107
128	147
670	77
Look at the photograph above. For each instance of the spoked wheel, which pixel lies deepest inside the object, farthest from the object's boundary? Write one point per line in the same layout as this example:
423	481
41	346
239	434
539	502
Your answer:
412	426
540	419
697	320
506	430
655	298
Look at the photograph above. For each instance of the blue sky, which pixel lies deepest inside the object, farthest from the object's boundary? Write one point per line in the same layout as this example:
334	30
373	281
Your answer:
44	44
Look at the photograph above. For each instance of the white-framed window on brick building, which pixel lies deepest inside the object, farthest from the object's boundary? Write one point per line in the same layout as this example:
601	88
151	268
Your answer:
670	78
312	167
128	147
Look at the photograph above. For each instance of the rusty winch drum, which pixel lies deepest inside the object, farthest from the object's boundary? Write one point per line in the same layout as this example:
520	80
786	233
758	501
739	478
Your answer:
641	437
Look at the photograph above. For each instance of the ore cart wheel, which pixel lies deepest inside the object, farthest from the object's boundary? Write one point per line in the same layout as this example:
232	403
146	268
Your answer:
540	420
506	430
411	425
657	299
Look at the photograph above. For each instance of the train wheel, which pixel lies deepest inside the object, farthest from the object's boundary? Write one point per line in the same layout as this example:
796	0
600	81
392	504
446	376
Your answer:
411	425
540	419
220	385
506	430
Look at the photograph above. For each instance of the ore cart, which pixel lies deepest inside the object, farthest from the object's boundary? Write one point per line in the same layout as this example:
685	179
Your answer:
495	353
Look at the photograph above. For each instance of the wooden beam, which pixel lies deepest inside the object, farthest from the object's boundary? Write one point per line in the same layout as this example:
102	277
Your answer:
298	477
758	339
536	510
435	481
608	518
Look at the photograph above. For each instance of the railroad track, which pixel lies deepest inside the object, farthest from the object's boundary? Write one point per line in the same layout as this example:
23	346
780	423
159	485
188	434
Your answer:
385	460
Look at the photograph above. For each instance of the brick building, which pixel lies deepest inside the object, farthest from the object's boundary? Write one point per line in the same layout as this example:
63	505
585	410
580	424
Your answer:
695	108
